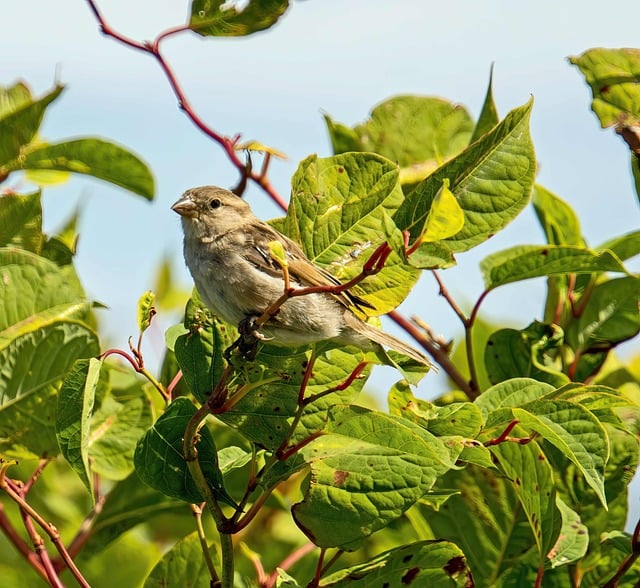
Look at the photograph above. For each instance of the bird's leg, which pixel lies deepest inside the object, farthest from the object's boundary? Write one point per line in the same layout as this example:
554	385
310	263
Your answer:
247	342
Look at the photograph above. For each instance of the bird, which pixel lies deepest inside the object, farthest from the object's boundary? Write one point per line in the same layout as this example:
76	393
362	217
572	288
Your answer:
227	251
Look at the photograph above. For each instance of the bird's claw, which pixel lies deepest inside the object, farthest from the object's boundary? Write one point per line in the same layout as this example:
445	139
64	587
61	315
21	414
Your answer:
247	342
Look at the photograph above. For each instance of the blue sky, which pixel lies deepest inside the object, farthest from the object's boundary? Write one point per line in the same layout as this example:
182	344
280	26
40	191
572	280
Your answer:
338	56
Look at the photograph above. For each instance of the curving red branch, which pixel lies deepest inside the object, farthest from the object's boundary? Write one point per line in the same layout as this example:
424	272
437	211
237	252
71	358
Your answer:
228	144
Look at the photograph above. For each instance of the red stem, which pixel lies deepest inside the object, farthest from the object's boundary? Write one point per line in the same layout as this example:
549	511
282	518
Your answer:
153	48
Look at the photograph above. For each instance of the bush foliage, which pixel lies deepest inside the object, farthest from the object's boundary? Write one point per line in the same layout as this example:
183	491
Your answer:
212	471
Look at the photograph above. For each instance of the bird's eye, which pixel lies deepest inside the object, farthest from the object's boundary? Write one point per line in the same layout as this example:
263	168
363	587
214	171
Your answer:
215	203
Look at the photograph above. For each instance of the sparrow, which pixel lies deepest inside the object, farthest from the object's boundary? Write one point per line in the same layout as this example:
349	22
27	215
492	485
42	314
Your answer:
227	251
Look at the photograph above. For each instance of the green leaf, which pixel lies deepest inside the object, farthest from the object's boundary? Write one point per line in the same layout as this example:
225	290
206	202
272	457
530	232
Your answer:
75	406
199	352
530	473
159	461
146	310
491	179
21	221
613	76
95	157
624	246
32	284
338	207
128	504
523	262
514	392
264	414
20	123
488	115
610	316
485	519
41	305
558	220
35	356
366	471
445	218
183	566
116	428
531	353
221	18
61	247
436	564
573	539
418	132
575	432
13	98
343	138
459	418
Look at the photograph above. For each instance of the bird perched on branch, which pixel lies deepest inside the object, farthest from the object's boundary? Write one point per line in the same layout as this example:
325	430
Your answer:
227	250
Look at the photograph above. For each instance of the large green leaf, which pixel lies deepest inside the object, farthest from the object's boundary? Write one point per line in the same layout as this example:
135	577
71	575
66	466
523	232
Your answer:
41	306
199	352
94	157
35	355
274	380
532	477
574	431
514	392
486	520
418	132
159	459
32	284
339	211
75	406
610	316
573	539
488	115
366	471
523	262
19	123
492	180
613	76
116	428
221	18
531	352
436	564
558	220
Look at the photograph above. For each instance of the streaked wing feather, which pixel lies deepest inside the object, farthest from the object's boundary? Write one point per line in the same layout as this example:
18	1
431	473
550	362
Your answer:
301	270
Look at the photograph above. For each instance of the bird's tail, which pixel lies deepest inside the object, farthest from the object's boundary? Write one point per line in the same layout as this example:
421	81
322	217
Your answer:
385	339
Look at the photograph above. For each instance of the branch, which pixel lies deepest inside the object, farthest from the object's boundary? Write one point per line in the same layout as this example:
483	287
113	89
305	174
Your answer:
439	354
228	144
30	515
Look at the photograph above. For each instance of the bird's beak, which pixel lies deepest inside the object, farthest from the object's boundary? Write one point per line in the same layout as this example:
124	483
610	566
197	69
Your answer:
185	206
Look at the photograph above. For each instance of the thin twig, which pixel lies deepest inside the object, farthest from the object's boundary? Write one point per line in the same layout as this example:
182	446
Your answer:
197	513
30	513
19	543
288	561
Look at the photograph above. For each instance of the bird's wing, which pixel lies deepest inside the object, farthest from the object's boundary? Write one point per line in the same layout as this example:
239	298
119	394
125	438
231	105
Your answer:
301	269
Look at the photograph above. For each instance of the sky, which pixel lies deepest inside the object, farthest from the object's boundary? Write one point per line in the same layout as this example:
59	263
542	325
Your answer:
336	56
